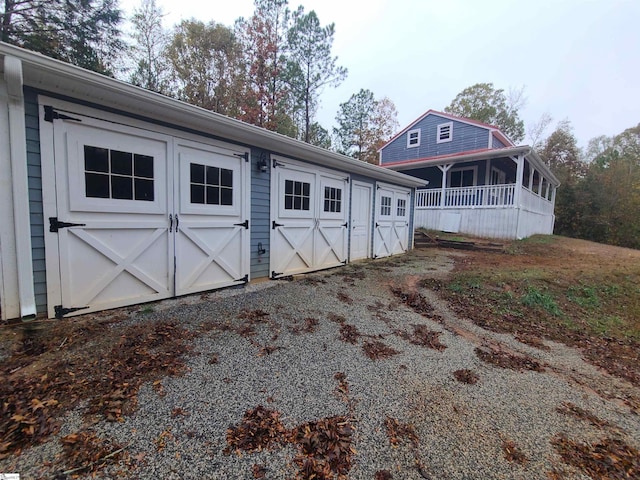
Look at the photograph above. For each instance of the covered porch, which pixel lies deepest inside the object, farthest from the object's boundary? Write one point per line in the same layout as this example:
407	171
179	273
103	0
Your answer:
504	193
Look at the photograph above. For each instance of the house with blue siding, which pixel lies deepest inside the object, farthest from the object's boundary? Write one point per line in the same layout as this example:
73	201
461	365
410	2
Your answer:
112	195
478	182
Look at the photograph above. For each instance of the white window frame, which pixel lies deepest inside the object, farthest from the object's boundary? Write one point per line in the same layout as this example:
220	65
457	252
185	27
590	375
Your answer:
474	169
441	127
412	132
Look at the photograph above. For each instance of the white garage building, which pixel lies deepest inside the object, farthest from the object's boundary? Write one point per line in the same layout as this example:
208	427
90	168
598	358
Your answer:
111	195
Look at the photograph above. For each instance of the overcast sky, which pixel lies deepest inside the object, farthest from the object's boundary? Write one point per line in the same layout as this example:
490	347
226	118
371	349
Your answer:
577	59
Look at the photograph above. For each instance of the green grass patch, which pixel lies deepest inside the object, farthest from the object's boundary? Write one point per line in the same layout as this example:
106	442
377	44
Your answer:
584	296
537	298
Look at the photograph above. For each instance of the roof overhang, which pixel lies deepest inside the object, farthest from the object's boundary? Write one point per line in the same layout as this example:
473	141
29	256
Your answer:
529	153
53	76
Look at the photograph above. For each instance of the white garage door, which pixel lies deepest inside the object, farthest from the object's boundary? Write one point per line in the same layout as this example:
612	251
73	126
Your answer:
392	220
140	215
309	218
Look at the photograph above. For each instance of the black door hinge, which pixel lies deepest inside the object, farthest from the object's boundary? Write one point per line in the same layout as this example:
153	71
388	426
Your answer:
345	224
50	115
275	274
244	155
244	224
377	225
277	164
55	224
244	279
60	311
344	262
275	225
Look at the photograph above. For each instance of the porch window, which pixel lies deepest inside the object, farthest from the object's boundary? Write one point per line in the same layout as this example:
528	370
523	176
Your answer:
413	138
462	177
445	132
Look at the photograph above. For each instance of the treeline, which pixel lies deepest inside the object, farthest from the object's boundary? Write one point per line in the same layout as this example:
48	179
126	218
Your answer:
599	198
268	70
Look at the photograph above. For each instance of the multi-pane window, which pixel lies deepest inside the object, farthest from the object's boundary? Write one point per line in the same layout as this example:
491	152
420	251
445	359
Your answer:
211	185
296	195
402	207
117	174
461	178
385	205
444	133
332	199
413	138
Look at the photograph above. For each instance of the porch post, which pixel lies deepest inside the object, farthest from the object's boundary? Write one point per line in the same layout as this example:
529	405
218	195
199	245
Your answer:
531	172
519	174
444	169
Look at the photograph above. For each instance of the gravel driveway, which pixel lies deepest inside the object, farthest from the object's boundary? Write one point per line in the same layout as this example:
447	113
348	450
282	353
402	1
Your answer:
341	346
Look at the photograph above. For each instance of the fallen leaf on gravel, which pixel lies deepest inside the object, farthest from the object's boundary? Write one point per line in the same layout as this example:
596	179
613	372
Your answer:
503	359
610	458
377	350
259	471
466	376
513	453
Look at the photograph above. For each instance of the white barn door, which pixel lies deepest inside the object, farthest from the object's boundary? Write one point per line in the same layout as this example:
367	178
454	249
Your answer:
309	218
361	205
111	226
392	220
211	222
140	215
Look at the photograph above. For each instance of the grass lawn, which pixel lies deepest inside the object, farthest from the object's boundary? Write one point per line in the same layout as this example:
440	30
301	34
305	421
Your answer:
572	291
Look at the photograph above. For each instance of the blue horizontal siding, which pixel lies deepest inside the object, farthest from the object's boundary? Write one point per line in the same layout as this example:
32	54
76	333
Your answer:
465	137
495	143
260	215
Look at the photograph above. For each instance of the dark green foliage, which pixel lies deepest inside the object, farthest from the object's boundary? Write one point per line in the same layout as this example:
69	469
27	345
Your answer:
484	103
83	32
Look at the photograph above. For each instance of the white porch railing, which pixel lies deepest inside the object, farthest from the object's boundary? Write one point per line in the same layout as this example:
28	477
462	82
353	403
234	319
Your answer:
534	202
482	196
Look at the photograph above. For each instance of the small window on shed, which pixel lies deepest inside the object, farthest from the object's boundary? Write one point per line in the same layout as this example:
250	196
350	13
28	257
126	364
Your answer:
211	185
297	195
413	138
385	206
402	207
117	175
332	199
445	132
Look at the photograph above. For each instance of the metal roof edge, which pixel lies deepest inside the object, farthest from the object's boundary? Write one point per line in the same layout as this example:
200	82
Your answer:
54	76
527	150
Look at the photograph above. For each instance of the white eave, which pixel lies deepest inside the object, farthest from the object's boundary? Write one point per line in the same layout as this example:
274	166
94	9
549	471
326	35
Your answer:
529	153
53	76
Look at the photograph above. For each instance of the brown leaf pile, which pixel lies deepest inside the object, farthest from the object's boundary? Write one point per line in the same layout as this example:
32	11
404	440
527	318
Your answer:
107	374
396	432
349	333
376	350
309	326
425	337
383	475
324	448
260	429
568	408
85	451
503	359
513	453
343	297
466	376
609	459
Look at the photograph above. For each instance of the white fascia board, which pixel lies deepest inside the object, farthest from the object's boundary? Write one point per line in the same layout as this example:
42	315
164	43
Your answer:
57	77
